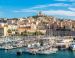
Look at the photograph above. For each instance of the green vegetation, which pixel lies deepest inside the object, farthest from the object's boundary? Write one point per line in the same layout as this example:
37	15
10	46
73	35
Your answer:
9	31
26	33
38	33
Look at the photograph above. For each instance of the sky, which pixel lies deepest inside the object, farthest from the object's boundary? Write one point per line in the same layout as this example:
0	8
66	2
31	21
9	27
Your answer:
25	8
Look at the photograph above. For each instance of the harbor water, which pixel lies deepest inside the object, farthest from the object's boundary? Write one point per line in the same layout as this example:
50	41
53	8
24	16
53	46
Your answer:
12	54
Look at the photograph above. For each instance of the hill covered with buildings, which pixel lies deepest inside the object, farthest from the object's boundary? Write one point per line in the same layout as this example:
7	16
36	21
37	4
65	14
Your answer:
39	24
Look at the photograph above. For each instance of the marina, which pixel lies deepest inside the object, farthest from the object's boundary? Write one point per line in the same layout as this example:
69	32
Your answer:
16	42
37	44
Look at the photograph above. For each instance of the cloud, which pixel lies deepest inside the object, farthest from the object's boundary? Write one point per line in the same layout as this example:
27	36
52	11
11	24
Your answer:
60	0
25	10
59	4
59	12
35	8
48	5
52	12
65	0
72	9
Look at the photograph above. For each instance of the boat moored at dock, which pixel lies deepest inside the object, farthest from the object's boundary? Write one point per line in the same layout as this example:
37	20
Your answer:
72	46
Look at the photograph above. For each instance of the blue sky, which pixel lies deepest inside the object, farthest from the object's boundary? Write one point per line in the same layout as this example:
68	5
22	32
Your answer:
24	8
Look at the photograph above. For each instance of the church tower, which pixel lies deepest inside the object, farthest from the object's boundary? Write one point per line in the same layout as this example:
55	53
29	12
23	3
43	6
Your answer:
40	13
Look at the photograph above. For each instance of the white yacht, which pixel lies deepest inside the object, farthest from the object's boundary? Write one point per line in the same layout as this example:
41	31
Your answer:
6	47
42	50
47	51
72	46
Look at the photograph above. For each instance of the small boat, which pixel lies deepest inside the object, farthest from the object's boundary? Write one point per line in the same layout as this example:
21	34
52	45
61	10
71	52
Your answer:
7	47
1	48
47	51
42	50
72	46
32	50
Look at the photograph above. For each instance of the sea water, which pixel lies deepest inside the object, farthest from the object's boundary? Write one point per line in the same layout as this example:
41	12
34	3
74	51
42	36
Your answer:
12	54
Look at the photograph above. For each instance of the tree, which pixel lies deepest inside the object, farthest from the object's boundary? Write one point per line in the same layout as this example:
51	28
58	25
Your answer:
38	33
9	31
24	33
